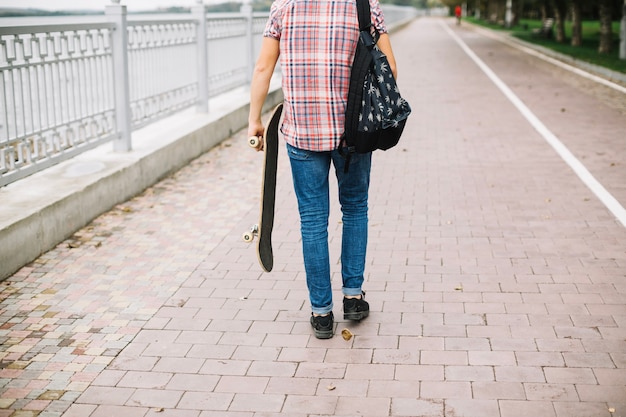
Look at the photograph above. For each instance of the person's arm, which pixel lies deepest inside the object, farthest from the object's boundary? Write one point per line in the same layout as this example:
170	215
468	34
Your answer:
384	44
260	85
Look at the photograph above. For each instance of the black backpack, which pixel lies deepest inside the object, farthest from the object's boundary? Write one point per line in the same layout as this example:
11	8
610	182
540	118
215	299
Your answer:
375	112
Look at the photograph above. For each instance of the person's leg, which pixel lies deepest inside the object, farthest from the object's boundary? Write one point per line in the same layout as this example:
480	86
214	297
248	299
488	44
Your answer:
353	196
310	179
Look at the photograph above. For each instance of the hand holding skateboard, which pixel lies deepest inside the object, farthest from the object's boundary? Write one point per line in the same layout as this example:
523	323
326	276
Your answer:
256	132
256	142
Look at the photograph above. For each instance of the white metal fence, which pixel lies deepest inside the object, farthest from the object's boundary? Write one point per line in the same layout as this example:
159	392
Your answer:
55	100
66	88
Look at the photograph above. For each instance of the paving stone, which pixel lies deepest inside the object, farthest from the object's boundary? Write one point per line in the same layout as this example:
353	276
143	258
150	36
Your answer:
489	390
472	408
526	408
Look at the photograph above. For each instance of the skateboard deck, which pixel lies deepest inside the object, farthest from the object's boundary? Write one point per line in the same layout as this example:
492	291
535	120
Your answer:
263	230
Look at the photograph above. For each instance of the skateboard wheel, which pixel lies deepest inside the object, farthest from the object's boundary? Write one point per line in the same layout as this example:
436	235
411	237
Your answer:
249	235
254	142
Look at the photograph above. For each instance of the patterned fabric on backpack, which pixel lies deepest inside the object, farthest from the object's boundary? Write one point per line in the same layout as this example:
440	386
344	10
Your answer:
382	106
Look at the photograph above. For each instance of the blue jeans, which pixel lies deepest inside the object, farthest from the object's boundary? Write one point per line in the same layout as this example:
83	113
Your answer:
310	171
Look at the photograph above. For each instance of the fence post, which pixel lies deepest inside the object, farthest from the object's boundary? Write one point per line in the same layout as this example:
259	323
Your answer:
246	10
116	13
199	11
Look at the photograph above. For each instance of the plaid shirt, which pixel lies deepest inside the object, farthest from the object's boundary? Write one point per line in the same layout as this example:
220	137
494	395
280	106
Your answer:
317	44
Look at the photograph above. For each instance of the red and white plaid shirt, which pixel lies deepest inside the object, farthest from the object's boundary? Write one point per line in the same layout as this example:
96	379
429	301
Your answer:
317	44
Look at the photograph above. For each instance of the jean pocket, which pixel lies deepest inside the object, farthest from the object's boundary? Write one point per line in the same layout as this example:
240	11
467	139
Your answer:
297	153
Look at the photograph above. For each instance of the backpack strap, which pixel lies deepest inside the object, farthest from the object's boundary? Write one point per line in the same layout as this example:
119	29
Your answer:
365	23
365	14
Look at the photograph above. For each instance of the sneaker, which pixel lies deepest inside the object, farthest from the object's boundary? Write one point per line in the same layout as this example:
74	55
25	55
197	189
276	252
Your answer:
322	326
355	308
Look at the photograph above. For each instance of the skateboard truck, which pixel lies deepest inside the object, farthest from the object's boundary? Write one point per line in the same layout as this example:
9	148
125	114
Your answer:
249	235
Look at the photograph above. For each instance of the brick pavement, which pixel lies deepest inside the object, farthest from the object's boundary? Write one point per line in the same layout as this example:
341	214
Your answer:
496	278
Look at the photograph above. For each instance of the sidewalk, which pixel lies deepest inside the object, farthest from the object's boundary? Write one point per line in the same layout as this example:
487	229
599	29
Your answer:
496	278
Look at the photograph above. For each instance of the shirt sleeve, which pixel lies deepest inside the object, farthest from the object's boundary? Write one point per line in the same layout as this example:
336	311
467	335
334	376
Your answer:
378	18
274	25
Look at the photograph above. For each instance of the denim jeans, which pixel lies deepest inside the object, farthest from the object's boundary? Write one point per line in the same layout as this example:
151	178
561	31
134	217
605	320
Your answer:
310	171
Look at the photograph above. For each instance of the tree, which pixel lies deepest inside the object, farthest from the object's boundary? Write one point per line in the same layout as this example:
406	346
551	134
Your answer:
495	10
577	26
519	11
543	6
560	11
606	30
451	3
622	44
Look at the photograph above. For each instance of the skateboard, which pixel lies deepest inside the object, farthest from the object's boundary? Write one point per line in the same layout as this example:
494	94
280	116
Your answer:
263	230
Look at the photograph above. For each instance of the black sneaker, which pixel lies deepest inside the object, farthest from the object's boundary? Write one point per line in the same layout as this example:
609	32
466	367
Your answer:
322	326
355	308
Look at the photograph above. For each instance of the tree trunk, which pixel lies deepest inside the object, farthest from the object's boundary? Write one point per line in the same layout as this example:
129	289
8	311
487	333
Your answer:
606	31
622	43
492	11
518	6
577	26
544	11
477	10
501	11
560	10
508	14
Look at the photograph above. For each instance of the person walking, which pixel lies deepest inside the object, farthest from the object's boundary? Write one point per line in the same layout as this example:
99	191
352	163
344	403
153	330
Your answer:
457	13
315	41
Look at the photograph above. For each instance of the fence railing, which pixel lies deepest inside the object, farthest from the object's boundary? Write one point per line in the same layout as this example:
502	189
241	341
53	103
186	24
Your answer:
66	88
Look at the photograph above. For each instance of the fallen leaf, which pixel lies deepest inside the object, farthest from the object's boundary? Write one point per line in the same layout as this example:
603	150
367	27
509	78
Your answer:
611	410
459	288
331	387
159	410
346	334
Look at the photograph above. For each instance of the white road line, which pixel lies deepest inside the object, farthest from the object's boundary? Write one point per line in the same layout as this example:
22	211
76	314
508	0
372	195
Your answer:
598	189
